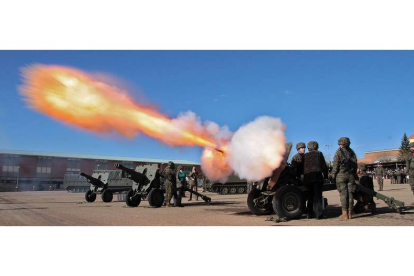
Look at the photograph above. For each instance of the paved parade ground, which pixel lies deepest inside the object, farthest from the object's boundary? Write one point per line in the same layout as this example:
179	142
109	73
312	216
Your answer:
61	208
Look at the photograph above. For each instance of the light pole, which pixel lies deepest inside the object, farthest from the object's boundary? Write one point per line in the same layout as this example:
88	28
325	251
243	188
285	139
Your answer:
17	180
329	154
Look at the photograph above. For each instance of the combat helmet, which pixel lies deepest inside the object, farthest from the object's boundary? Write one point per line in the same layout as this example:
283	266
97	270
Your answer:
313	145
171	164
411	145
300	145
344	141
362	166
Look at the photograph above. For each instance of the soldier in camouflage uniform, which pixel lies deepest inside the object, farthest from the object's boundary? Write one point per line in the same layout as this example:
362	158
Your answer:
410	168
344	172
315	171
364	201
170	185
398	173
297	160
379	173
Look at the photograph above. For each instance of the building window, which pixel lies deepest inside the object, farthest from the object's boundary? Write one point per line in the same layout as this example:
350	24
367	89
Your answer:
11	164
73	166
101	165
44	166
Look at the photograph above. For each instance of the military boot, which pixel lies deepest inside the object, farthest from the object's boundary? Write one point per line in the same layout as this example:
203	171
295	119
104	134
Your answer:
344	214
350	213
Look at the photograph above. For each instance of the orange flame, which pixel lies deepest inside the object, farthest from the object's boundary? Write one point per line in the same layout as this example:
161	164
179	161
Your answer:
79	99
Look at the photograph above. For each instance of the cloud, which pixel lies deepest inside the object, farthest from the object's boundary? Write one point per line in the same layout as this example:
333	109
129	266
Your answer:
288	92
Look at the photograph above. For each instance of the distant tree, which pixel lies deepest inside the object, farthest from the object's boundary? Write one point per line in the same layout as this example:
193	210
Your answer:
404	153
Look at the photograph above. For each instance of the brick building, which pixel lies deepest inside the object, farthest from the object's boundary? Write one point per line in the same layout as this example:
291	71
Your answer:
25	170
387	157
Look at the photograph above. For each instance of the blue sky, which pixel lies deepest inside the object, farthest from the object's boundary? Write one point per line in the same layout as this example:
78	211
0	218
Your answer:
319	95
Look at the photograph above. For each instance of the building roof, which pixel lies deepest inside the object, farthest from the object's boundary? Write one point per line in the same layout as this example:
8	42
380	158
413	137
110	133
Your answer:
381	150
94	157
411	137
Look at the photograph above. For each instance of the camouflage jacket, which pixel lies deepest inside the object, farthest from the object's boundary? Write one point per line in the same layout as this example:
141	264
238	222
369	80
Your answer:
345	162
410	166
297	164
169	175
379	172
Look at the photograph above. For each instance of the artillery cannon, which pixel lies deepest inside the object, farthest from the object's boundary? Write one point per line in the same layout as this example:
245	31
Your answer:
105	183
288	196
146	185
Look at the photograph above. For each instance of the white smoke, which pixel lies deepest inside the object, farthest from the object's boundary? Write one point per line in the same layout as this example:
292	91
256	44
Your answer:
257	148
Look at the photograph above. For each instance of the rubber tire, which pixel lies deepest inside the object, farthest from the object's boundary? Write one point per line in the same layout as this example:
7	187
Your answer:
107	196
241	190
90	196
289	194
258	210
132	202
224	191
155	198
233	190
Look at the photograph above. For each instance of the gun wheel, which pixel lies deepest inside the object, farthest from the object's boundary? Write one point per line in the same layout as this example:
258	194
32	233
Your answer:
156	198
288	202
258	203
107	196
90	196
132	201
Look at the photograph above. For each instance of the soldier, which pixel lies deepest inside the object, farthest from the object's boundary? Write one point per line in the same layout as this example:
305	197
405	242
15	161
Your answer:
410	168
364	201
379	174
344	172
297	160
170	185
398	173
315	171
395	176
181	182
193	182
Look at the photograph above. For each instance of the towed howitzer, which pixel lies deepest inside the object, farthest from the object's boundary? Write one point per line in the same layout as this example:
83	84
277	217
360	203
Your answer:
105	183
288	196
146	185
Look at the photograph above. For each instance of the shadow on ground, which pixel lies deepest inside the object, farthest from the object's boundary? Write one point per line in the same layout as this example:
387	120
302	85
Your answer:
15	209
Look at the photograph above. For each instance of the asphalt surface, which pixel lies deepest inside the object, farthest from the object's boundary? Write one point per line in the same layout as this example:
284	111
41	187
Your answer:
60	208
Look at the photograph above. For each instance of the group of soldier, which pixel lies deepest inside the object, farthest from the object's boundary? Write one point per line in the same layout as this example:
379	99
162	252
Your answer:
311	168
175	182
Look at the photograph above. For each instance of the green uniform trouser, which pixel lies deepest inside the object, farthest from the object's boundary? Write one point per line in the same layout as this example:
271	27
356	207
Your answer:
380	182
411	181
169	191
345	184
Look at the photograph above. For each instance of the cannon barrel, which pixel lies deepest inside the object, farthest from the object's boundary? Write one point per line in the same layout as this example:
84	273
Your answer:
134	175
94	181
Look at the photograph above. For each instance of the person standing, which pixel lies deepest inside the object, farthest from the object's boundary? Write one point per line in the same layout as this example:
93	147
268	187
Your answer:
193	182
379	174
170	183
344	172
314	172
410	168
297	161
181	183
398	173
